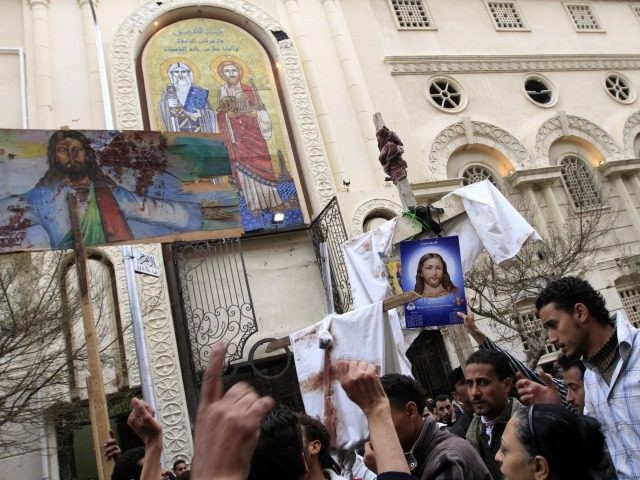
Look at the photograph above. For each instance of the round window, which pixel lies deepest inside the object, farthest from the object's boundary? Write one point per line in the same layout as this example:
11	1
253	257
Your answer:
446	94
619	87
540	91
477	173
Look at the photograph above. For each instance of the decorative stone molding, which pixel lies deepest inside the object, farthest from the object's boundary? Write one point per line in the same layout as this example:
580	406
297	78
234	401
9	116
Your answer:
125	83
306	122
165	369
456	136
368	207
429	64
535	176
557	127
629	133
620	168
163	353
428	192
39	2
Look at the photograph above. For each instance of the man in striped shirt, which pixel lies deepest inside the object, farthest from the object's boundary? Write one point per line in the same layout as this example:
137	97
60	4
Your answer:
578	323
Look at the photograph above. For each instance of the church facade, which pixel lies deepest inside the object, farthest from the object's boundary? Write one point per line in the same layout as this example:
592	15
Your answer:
539	97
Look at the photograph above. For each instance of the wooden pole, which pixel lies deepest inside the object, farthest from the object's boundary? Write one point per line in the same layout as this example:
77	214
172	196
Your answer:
100	417
94	432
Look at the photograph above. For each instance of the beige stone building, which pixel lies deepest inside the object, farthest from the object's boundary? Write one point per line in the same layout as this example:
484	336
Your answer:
540	96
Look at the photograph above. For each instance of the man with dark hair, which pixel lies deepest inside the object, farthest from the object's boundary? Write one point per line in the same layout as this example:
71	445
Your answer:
461	399
280	450
444	409
179	466
317	442
578	323
573	374
129	465
489	382
431	453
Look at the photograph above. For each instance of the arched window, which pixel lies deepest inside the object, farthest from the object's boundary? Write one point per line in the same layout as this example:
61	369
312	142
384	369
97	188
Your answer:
376	218
109	331
579	182
630	296
478	173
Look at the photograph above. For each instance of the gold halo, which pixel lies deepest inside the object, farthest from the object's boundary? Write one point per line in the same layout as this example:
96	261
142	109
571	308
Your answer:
227	58
167	63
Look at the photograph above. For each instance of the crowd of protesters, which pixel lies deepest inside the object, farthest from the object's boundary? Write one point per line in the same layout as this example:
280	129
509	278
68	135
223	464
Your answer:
503	420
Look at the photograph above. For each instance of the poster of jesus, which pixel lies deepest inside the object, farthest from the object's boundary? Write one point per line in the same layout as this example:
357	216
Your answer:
433	269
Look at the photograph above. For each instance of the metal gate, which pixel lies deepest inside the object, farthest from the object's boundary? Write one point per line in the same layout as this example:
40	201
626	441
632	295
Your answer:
328	227
215	298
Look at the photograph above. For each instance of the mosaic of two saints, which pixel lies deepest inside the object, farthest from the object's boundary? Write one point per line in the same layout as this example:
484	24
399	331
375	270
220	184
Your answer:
240	117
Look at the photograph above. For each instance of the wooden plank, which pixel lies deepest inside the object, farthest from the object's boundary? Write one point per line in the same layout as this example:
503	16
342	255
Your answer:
94	432
388	304
100	422
187	237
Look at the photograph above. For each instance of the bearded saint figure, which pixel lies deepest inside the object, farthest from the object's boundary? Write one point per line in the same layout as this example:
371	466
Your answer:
245	123
184	106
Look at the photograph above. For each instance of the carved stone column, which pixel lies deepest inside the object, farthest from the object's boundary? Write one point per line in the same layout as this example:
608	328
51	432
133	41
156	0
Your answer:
352	74
163	357
635	184
632	212
530	180
618	171
322	112
552	205
93	71
532	204
316	168
42	63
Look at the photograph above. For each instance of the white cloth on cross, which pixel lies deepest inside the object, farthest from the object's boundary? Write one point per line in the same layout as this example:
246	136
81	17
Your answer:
364	334
497	225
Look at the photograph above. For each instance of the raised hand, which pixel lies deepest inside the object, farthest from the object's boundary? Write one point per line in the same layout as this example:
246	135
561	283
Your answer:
531	392
227	426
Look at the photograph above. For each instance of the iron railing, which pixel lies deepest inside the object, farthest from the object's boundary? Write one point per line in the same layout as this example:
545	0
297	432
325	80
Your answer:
328	227
216	300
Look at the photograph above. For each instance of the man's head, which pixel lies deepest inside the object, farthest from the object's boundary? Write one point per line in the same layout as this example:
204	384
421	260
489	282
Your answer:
129	465
432	271
316	441
489	382
573	375
231	72
406	398
280	448
570	309
444	409
179	466
181	75
70	155
458	387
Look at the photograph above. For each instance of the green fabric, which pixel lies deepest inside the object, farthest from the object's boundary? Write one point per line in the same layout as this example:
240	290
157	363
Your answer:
90	225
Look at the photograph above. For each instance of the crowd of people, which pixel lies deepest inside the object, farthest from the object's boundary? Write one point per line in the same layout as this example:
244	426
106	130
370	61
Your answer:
503	420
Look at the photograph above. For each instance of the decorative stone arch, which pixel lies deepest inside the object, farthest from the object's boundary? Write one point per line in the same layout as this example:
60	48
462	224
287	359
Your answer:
372	206
630	131
138	26
473	133
569	125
